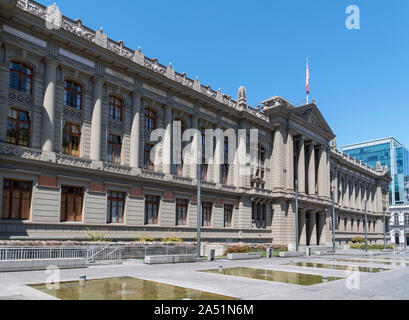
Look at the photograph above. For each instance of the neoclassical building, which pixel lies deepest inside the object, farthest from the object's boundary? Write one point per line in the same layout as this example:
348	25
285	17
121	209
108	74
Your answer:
77	110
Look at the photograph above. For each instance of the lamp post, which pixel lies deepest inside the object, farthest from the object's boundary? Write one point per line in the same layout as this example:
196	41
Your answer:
366	229
333	220
199	207
404	230
384	229
296	215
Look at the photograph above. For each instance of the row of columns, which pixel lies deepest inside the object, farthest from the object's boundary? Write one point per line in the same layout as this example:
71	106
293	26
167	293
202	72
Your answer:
350	196
311	175
311	227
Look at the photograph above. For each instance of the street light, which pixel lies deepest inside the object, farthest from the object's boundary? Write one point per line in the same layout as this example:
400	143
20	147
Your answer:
366	229
384	229
296	215
199	206
333	220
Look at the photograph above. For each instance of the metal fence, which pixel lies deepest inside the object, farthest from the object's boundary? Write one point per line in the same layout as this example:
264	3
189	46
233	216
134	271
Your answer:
92	253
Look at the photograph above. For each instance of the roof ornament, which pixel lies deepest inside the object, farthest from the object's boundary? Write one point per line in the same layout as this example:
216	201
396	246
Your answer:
334	143
242	99
378	166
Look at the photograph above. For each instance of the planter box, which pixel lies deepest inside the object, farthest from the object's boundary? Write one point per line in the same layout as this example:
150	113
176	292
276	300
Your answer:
178	258
288	254
243	256
41	264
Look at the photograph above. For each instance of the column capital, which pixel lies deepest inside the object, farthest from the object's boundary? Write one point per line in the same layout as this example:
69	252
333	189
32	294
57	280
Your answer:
51	61
97	80
136	93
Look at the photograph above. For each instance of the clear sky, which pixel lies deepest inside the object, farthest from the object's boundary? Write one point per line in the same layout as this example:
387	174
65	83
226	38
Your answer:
359	78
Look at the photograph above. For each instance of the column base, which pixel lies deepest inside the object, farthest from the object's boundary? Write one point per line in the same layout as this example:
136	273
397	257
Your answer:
48	156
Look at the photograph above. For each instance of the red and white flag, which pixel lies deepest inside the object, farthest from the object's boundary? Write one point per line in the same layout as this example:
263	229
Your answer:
307	79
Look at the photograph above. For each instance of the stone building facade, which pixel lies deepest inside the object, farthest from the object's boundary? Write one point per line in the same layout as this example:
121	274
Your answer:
77	110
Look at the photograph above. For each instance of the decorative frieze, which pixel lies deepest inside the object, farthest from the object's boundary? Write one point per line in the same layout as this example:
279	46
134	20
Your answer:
18	151
73	161
115	124
19	99
116	168
25	36
72	114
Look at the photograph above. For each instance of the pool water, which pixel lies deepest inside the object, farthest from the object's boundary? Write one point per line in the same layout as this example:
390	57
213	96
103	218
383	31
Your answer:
125	288
334	266
273	275
375	262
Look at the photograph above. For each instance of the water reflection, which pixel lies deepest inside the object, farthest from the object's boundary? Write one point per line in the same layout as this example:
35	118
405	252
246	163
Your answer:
134	289
273	275
334	266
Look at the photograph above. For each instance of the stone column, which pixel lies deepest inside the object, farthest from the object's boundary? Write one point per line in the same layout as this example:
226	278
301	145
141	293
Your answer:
290	160
241	156
335	190
96	121
218	157
321	236
311	169
321	171
347	191
352	202
277	153
313	229
194	149
49	106
167	141
301	166
134	148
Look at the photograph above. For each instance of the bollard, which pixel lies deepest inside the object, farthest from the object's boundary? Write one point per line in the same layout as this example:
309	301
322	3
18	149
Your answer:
211	255
269	252
82	280
307	251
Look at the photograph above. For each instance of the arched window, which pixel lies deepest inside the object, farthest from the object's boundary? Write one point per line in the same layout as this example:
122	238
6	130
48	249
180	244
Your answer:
21	77
396	219
115	108
72	94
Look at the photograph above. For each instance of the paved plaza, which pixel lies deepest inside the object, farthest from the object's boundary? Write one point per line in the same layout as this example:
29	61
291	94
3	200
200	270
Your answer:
388	284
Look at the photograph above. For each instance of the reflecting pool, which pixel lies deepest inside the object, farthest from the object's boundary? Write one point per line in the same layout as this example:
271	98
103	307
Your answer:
273	275
125	288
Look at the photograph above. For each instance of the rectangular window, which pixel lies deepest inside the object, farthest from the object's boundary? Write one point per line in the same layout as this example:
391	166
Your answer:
225	173
114	149
151	209
18	127
72	95
228	215
147	162
150	119
21	77
16	199
71	137
207	214
115	108
181	212
115	207
71	203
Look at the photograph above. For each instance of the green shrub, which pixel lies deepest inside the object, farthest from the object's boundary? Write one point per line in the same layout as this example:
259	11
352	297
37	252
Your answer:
237	248
370	246
358	240
172	239
96	235
146	239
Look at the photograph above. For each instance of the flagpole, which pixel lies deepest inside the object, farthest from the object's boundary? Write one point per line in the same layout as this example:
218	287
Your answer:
307	81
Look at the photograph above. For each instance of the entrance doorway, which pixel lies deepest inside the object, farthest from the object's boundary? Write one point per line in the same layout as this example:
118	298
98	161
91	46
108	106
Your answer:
396	238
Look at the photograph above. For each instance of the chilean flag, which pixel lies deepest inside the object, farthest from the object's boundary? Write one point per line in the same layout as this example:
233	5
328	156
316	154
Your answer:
307	79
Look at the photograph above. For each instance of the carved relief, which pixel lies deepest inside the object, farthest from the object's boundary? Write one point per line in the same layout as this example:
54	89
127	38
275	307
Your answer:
17	98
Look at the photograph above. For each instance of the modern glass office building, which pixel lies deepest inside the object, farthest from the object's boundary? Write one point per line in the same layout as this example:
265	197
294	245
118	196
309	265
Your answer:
391	153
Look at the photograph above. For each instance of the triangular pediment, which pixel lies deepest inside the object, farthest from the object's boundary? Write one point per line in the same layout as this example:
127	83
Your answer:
312	115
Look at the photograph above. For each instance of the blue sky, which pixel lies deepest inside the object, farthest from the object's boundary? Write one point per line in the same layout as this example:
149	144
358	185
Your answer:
359	78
